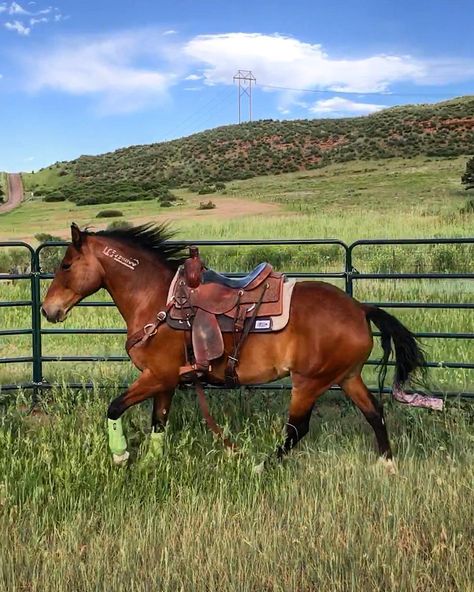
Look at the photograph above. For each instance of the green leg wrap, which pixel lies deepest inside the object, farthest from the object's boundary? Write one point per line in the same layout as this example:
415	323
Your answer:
117	442
156	446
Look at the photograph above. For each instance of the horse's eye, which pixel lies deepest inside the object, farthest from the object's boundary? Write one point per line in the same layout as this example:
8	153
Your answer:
65	266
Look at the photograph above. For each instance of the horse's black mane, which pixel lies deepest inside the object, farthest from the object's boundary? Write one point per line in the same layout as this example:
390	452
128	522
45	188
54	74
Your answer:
151	237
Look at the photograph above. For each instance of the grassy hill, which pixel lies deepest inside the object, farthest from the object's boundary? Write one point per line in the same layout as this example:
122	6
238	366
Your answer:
258	148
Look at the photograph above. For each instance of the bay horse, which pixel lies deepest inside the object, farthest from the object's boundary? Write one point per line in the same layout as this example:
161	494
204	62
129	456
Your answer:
326	342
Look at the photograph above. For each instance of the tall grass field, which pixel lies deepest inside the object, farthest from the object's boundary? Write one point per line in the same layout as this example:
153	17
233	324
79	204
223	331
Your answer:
329	517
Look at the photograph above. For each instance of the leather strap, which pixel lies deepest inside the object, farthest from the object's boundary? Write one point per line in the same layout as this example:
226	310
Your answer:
231	379
208	417
147	331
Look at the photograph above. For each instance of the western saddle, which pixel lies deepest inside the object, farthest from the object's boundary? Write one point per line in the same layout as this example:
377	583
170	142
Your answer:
206	304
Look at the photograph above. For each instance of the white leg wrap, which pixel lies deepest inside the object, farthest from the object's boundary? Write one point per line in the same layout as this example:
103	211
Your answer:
389	465
121	459
258	469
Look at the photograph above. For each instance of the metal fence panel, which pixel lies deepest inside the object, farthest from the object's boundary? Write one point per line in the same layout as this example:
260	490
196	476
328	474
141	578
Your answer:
349	274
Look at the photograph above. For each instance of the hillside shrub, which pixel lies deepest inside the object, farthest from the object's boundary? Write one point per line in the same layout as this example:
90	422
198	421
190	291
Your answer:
50	257
109	214
54	197
14	261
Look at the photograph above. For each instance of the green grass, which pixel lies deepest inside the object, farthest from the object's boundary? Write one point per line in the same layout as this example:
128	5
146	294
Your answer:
329	518
424	185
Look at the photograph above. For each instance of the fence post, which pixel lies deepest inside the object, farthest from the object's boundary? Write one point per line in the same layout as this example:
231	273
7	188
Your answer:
348	271
36	327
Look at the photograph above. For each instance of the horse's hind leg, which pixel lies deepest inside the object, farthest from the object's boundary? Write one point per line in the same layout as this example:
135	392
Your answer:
159	419
356	390
304	393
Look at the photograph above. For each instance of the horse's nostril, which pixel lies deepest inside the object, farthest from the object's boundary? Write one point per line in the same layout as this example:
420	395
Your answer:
43	312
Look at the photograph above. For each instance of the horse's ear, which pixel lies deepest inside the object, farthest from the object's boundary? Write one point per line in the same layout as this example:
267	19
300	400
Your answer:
76	235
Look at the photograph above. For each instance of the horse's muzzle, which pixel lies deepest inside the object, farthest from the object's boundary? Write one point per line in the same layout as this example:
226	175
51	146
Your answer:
54	315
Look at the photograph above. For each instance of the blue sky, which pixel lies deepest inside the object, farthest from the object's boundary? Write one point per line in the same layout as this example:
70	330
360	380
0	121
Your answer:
89	76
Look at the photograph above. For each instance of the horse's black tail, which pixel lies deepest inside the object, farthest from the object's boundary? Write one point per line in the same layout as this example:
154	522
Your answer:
409	357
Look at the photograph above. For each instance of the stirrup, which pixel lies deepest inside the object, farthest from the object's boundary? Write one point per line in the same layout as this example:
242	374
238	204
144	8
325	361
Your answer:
192	371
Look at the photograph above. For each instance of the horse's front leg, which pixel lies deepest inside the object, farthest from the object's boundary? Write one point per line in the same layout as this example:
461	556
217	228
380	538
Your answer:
146	386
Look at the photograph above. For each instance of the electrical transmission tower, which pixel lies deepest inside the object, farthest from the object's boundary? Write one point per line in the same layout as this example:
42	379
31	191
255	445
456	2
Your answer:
245	78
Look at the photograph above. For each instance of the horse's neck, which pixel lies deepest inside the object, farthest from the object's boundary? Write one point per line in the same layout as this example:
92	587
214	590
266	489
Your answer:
139	293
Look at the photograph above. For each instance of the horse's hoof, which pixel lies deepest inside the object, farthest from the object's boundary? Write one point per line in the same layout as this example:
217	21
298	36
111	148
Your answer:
258	469
121	459
389	465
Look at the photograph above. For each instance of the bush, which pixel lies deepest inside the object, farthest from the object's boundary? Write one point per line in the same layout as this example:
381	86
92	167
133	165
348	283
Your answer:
109	214
53	197
165	204
15	261
210	205
219	186
45	237
119	224
50	257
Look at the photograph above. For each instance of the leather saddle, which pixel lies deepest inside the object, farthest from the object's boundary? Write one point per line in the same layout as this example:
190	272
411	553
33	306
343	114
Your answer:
207	304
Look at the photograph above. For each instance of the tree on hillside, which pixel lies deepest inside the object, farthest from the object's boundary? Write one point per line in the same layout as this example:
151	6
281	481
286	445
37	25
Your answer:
468	177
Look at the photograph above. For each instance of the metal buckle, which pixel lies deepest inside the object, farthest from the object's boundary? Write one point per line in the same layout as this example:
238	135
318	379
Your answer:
149	329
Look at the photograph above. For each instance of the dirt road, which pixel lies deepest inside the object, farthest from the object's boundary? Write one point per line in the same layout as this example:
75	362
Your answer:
15	193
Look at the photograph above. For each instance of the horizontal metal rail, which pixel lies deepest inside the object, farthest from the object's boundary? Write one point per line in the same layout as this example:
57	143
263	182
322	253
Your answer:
447	305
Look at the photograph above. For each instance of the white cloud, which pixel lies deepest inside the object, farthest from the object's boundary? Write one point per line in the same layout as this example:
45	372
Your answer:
17	9
285	61
20	28
194	77
109	68
35	21
27	19
339	106
170	32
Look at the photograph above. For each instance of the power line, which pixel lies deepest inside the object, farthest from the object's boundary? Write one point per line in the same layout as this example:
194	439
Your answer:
197	115
352	93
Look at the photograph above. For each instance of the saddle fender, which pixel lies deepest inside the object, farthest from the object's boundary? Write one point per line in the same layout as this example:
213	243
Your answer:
207	340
